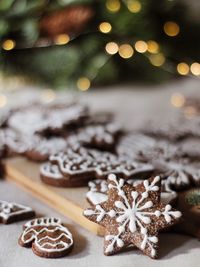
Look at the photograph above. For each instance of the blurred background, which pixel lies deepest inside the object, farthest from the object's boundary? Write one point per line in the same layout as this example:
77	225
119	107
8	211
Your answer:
72	44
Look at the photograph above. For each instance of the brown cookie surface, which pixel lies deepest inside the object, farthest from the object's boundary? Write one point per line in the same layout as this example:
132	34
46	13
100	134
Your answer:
47	237
11	212
133	215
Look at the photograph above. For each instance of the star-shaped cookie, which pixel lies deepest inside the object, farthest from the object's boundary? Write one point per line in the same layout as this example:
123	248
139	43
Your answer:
133	215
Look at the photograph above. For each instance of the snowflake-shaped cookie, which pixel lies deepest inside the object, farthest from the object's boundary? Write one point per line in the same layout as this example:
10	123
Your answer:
132	215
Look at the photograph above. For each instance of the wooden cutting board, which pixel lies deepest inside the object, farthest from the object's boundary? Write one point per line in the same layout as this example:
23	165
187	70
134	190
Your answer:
68	201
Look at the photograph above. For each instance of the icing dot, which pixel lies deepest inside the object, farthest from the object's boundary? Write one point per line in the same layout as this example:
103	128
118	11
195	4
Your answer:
121	229
112	213
145	194
143	231
157	213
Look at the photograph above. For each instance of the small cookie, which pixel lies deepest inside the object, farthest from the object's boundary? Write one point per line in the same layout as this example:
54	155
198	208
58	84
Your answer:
98	192
13	212
47	237
189	204
133	215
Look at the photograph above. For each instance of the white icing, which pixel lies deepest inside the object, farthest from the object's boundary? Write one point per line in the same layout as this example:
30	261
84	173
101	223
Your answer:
32	234
135	215
50	170
97	163
7	209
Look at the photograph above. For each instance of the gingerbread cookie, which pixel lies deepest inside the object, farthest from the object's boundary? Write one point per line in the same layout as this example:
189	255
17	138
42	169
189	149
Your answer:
103	137
79	165
98	192
41	148
40	119
47	237
133	215
189	204
12	212
133	143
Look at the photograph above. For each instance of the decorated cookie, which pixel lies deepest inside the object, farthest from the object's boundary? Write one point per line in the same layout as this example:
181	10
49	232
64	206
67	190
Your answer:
101	136
47	237
40	119
12	212
86	164
41	148
133	215
98	192
189	204
178	175
133	143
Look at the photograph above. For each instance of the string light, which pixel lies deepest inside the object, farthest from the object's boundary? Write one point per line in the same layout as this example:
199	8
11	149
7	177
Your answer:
177	100
157	60
195	69
183	68
112	48
126	51
105	27
62	39
141	46
3	100
134	6
48	95
152	47
171	28
8	44
83	83
113	5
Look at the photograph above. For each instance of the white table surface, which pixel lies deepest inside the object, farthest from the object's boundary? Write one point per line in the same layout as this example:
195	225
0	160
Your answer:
133	105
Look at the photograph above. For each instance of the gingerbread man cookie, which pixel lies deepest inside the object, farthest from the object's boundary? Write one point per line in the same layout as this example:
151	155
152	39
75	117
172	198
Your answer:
47	237
133	215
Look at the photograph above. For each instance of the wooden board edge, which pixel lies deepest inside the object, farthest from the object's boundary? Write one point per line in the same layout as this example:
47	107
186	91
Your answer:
59	203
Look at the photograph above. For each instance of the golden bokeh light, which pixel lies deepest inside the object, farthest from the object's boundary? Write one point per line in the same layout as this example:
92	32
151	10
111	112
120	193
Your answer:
152	47
141	46
3	100
171	28
190	112
48	95
8	44
62	39
113	5
157	60
126	51
177	100
105	27
134	6
112	48
183	68
83	83
195	69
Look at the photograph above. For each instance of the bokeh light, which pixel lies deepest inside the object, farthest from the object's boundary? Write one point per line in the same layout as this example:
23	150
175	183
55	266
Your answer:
112	48
113	5
126	51
141	46
8	44
171	28
105	27
177	100
183	68
83	83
